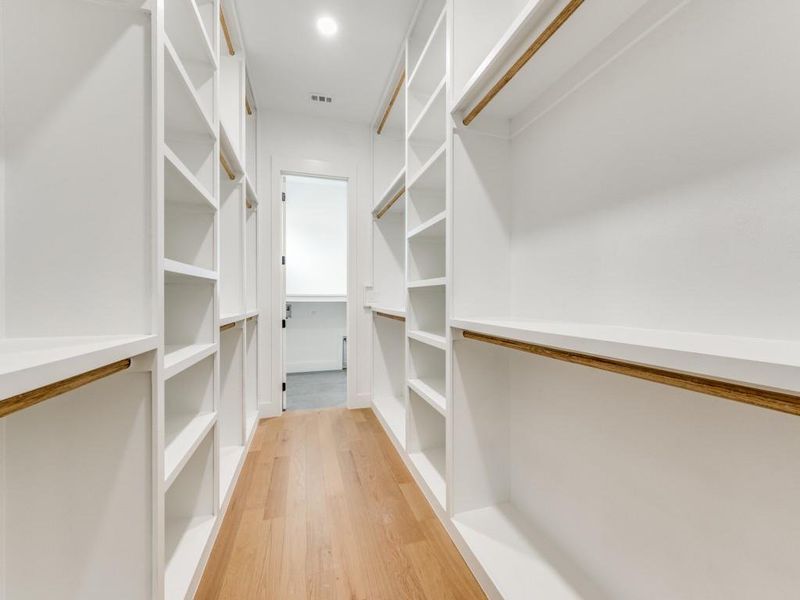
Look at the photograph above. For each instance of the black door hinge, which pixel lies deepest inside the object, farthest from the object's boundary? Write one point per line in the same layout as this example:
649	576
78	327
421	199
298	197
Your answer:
283	386
283	196
283	323
283	260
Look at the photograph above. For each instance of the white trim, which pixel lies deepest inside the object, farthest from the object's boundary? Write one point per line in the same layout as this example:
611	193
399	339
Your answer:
312	168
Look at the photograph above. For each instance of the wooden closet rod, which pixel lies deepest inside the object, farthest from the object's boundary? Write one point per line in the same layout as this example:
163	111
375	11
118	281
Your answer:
247	106
226	327
779	401
391	102
226	32
225	165
537	44
394	199
33	397
388	316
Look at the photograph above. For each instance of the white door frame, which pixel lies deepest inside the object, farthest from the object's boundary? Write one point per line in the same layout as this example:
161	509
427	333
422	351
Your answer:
310	168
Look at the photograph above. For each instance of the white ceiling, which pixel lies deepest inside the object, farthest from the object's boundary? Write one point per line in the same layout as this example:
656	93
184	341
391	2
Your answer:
287	58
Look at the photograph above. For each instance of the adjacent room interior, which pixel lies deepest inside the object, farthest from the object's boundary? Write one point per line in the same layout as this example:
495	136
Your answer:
316	292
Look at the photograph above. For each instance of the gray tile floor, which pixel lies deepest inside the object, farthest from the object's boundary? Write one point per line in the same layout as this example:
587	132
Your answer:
320	389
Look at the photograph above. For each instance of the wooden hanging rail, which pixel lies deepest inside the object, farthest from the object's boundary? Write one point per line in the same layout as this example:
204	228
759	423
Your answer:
227	326
389	204
779	401
537	44
392	101
247	106
388	316
33	397
226	32
226	165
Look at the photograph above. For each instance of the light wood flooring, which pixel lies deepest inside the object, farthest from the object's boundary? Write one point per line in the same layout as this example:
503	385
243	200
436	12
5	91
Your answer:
325	508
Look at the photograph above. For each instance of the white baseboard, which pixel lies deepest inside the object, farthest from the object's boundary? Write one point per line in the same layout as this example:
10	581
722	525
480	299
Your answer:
314	365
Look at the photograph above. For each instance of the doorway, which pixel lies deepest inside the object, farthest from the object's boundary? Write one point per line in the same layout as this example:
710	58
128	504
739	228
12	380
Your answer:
315	215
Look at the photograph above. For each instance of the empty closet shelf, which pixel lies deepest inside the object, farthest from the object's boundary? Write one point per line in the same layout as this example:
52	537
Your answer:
431	174
229	152
178	272
433	282
430	464
432	339
28	364
517	72
182	356
182	436
233	318
433	228
186	30
501	540
191	535
392	412
430	67
252	197
390	197
181	186
397	313
432	392
773	364
183	109
229	461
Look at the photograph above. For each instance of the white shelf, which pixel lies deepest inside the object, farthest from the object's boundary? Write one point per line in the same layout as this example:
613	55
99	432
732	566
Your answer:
185	433
230	458
430	125
771	364
498	537
397	183
251	313
252	197
183	110
178	272
431	175
430	464
432	228
233	318
432	392
184	25
430	67
423	283
396	312
593	24
30	363
230	153
431	339
391	412
180	357
181	186
181	568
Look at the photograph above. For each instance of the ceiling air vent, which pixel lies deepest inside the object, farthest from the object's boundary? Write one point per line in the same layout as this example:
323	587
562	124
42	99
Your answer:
320	99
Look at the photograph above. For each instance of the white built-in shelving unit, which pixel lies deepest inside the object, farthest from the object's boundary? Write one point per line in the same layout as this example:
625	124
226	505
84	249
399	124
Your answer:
409	295
125	411
211	316
601	203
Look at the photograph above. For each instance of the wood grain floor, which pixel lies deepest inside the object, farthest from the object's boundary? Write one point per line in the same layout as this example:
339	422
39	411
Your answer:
325	508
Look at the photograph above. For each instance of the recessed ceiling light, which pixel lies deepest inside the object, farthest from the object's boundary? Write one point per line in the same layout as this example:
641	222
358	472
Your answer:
327	26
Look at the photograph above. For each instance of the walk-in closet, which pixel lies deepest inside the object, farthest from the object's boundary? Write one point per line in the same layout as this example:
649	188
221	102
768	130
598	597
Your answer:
433	299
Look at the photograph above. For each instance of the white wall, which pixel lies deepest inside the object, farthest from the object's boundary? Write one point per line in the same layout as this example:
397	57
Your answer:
314	336
293	136
316	236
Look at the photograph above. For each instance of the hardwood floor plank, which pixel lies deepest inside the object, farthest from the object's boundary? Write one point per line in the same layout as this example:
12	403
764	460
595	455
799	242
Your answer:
326	509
